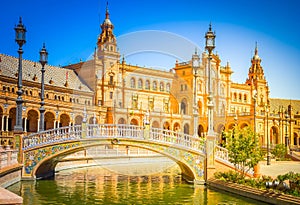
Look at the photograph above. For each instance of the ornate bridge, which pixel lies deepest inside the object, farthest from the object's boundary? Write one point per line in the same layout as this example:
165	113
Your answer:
42	151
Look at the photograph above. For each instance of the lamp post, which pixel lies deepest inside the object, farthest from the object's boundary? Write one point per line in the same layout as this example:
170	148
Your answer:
43	61
254	121
286	129
209	46
268	140
196	65
20	39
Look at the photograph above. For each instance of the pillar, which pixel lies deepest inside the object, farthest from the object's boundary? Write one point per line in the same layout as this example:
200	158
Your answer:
2	123
210	156
25	124
6	127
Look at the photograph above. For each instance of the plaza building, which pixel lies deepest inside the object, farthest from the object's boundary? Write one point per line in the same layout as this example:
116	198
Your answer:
105	89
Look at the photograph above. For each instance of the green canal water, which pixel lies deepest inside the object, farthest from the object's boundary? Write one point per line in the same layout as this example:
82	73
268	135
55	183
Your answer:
96	185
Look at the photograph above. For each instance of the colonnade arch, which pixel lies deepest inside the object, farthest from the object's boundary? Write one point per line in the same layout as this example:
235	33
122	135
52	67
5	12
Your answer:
78	120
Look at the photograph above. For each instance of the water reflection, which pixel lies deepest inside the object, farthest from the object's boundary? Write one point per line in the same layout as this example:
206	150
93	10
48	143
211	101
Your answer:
95	185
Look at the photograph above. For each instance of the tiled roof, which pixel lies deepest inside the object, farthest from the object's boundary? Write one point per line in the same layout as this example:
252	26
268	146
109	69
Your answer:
54	76
275	103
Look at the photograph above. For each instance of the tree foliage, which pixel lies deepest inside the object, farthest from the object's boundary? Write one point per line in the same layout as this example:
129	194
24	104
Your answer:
243	148
280	151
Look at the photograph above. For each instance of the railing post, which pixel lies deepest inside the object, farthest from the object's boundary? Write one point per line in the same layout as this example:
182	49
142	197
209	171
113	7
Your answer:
210	156
84	130
146	131
19	146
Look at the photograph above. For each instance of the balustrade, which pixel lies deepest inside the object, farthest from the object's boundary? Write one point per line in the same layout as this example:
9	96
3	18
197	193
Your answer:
113	131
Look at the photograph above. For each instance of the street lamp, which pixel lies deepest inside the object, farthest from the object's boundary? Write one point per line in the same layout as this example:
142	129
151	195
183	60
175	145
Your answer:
196	65
268	140
254	99
43	61
20	39
209	46
286	129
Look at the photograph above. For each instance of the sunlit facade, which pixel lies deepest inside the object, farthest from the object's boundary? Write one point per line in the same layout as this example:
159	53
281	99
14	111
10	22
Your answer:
108	90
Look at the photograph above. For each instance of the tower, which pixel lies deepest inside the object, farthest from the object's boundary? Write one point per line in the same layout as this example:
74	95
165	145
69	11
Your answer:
257	81
106	64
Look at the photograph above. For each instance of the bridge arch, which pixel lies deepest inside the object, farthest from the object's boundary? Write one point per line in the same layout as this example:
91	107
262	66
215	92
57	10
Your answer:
43	150
46	167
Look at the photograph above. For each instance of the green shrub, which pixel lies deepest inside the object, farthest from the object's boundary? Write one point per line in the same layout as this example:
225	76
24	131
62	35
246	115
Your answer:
279	151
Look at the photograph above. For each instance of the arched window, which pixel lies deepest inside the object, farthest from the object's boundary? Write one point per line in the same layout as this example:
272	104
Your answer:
154	86
245	98
147	85
186	128
132	83
168	87
111	80
161	86
140	84
183	106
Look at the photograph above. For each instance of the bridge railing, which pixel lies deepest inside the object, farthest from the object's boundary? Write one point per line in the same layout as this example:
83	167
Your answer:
52	136
114	131
137	132
221	154
178	138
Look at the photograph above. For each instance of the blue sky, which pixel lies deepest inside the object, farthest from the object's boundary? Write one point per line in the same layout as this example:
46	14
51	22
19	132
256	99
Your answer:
70	29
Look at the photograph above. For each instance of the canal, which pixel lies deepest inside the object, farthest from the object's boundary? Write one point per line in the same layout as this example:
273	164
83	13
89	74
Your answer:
99	185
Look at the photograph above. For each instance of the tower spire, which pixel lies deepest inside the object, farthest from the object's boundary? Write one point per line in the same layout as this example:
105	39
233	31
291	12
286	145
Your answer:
256	71
107	11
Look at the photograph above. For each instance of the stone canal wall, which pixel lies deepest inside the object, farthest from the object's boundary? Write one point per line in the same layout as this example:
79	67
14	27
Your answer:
10	173
262	195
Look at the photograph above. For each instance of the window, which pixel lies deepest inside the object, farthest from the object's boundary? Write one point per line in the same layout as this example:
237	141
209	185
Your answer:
151	103
111	80
111	95
135	101
166	105
245	98
168	87
154	86
161	86
132	83
140	84
234	96
183	106
147	85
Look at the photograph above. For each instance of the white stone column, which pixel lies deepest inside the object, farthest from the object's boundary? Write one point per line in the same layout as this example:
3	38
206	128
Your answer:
6	128
25	124
2	124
